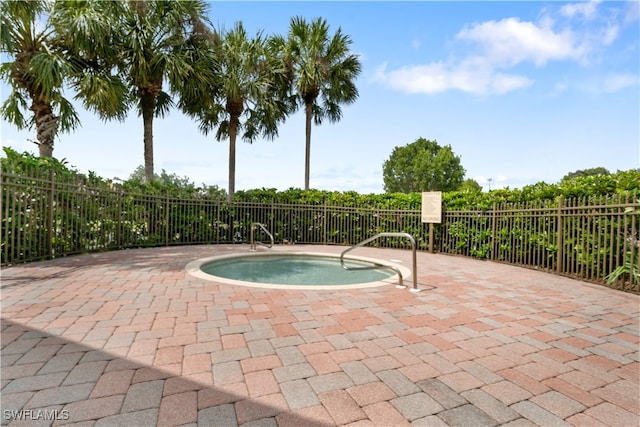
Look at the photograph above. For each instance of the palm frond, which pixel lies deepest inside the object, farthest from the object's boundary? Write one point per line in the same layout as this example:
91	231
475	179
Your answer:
164	103
12	108
69	119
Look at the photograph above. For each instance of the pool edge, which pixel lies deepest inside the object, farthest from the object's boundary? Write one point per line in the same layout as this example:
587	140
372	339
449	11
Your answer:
194	269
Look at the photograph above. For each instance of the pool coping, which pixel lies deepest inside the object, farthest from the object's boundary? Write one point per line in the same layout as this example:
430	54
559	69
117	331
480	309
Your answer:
194	269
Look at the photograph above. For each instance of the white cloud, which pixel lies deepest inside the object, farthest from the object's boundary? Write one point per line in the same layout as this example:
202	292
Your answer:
588	10
471	76
504	83
511	41
616	82
632	12
610	34
497	46
502	44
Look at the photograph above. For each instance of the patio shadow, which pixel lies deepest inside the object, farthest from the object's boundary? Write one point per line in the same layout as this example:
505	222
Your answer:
49	380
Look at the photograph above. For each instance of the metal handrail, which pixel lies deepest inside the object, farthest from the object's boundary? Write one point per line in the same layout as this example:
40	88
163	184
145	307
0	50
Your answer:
380	266
253	242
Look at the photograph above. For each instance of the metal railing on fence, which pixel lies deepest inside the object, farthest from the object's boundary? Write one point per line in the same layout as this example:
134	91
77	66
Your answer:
44	216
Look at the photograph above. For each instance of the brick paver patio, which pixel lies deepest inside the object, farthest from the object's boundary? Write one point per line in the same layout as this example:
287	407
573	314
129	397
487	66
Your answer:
129	338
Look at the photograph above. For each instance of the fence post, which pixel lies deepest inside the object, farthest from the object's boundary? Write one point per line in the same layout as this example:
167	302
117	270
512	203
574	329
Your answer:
431	238
52	188
494	231
560	238
272	222
119	221
634	256
324	202
166	219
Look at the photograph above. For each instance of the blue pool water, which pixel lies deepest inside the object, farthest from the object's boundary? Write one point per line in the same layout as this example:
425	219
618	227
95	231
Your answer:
289	269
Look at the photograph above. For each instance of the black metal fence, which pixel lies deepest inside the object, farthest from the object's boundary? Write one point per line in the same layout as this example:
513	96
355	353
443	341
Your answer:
44	217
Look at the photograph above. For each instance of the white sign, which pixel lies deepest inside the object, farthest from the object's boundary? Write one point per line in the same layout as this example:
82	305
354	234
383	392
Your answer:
432	207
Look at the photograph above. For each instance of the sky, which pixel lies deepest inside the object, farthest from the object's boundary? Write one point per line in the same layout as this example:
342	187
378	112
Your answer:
522	91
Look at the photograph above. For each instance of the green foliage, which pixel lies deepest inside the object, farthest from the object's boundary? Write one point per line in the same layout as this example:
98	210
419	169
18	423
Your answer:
322	72
332	198
137	54
585	172
629	271
28	164
580	187
470	185
170	184
51	210
422	166
240	101
36	68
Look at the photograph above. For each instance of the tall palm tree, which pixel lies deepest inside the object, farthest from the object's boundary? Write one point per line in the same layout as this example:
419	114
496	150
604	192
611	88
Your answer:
323	72
244	99
149	44
37	71
86	33
158	45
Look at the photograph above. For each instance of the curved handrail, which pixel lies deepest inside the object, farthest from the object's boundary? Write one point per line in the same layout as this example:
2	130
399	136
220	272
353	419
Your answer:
253	242
380	266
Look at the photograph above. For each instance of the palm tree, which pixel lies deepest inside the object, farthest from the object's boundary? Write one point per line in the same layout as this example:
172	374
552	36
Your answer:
148	44
323	72
158	45
244	99
86	34
36	72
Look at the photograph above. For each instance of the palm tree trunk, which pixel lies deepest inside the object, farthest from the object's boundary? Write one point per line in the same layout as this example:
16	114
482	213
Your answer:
233	132
307	153
148	102
46	127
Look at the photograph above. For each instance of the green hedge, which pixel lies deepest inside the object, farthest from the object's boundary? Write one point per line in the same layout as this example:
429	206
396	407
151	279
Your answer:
50	210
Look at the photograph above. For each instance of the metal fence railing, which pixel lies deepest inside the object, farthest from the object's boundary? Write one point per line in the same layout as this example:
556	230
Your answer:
591	239
44	217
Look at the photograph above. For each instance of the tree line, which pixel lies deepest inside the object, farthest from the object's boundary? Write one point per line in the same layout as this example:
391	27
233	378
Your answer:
425	165
152	56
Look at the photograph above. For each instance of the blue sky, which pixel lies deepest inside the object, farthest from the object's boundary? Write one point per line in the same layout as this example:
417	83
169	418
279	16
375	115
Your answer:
522	92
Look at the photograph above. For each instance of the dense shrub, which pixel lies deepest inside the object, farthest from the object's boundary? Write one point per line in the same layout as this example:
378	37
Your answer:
585	226
580	187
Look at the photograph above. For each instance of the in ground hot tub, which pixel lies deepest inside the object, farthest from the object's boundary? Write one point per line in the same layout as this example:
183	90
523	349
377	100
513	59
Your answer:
296	270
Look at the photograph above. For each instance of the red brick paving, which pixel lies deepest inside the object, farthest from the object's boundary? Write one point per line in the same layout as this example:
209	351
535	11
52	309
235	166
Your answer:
130	337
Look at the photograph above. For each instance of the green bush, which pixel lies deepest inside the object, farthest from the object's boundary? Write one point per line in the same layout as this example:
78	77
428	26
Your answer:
74	213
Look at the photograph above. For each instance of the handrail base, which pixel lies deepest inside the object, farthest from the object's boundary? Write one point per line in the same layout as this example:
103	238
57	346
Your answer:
410	289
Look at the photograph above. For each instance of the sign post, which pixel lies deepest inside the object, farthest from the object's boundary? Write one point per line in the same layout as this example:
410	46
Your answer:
431	212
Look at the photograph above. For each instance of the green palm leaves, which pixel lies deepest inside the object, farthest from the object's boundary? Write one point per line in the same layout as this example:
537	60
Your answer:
36	71
242	99
153	55
323	74
161	41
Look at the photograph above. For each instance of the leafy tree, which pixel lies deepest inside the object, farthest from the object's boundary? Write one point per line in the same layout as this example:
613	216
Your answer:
164	178
422	166
470	185
170	184
322	72
36	71
241	101
585	172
